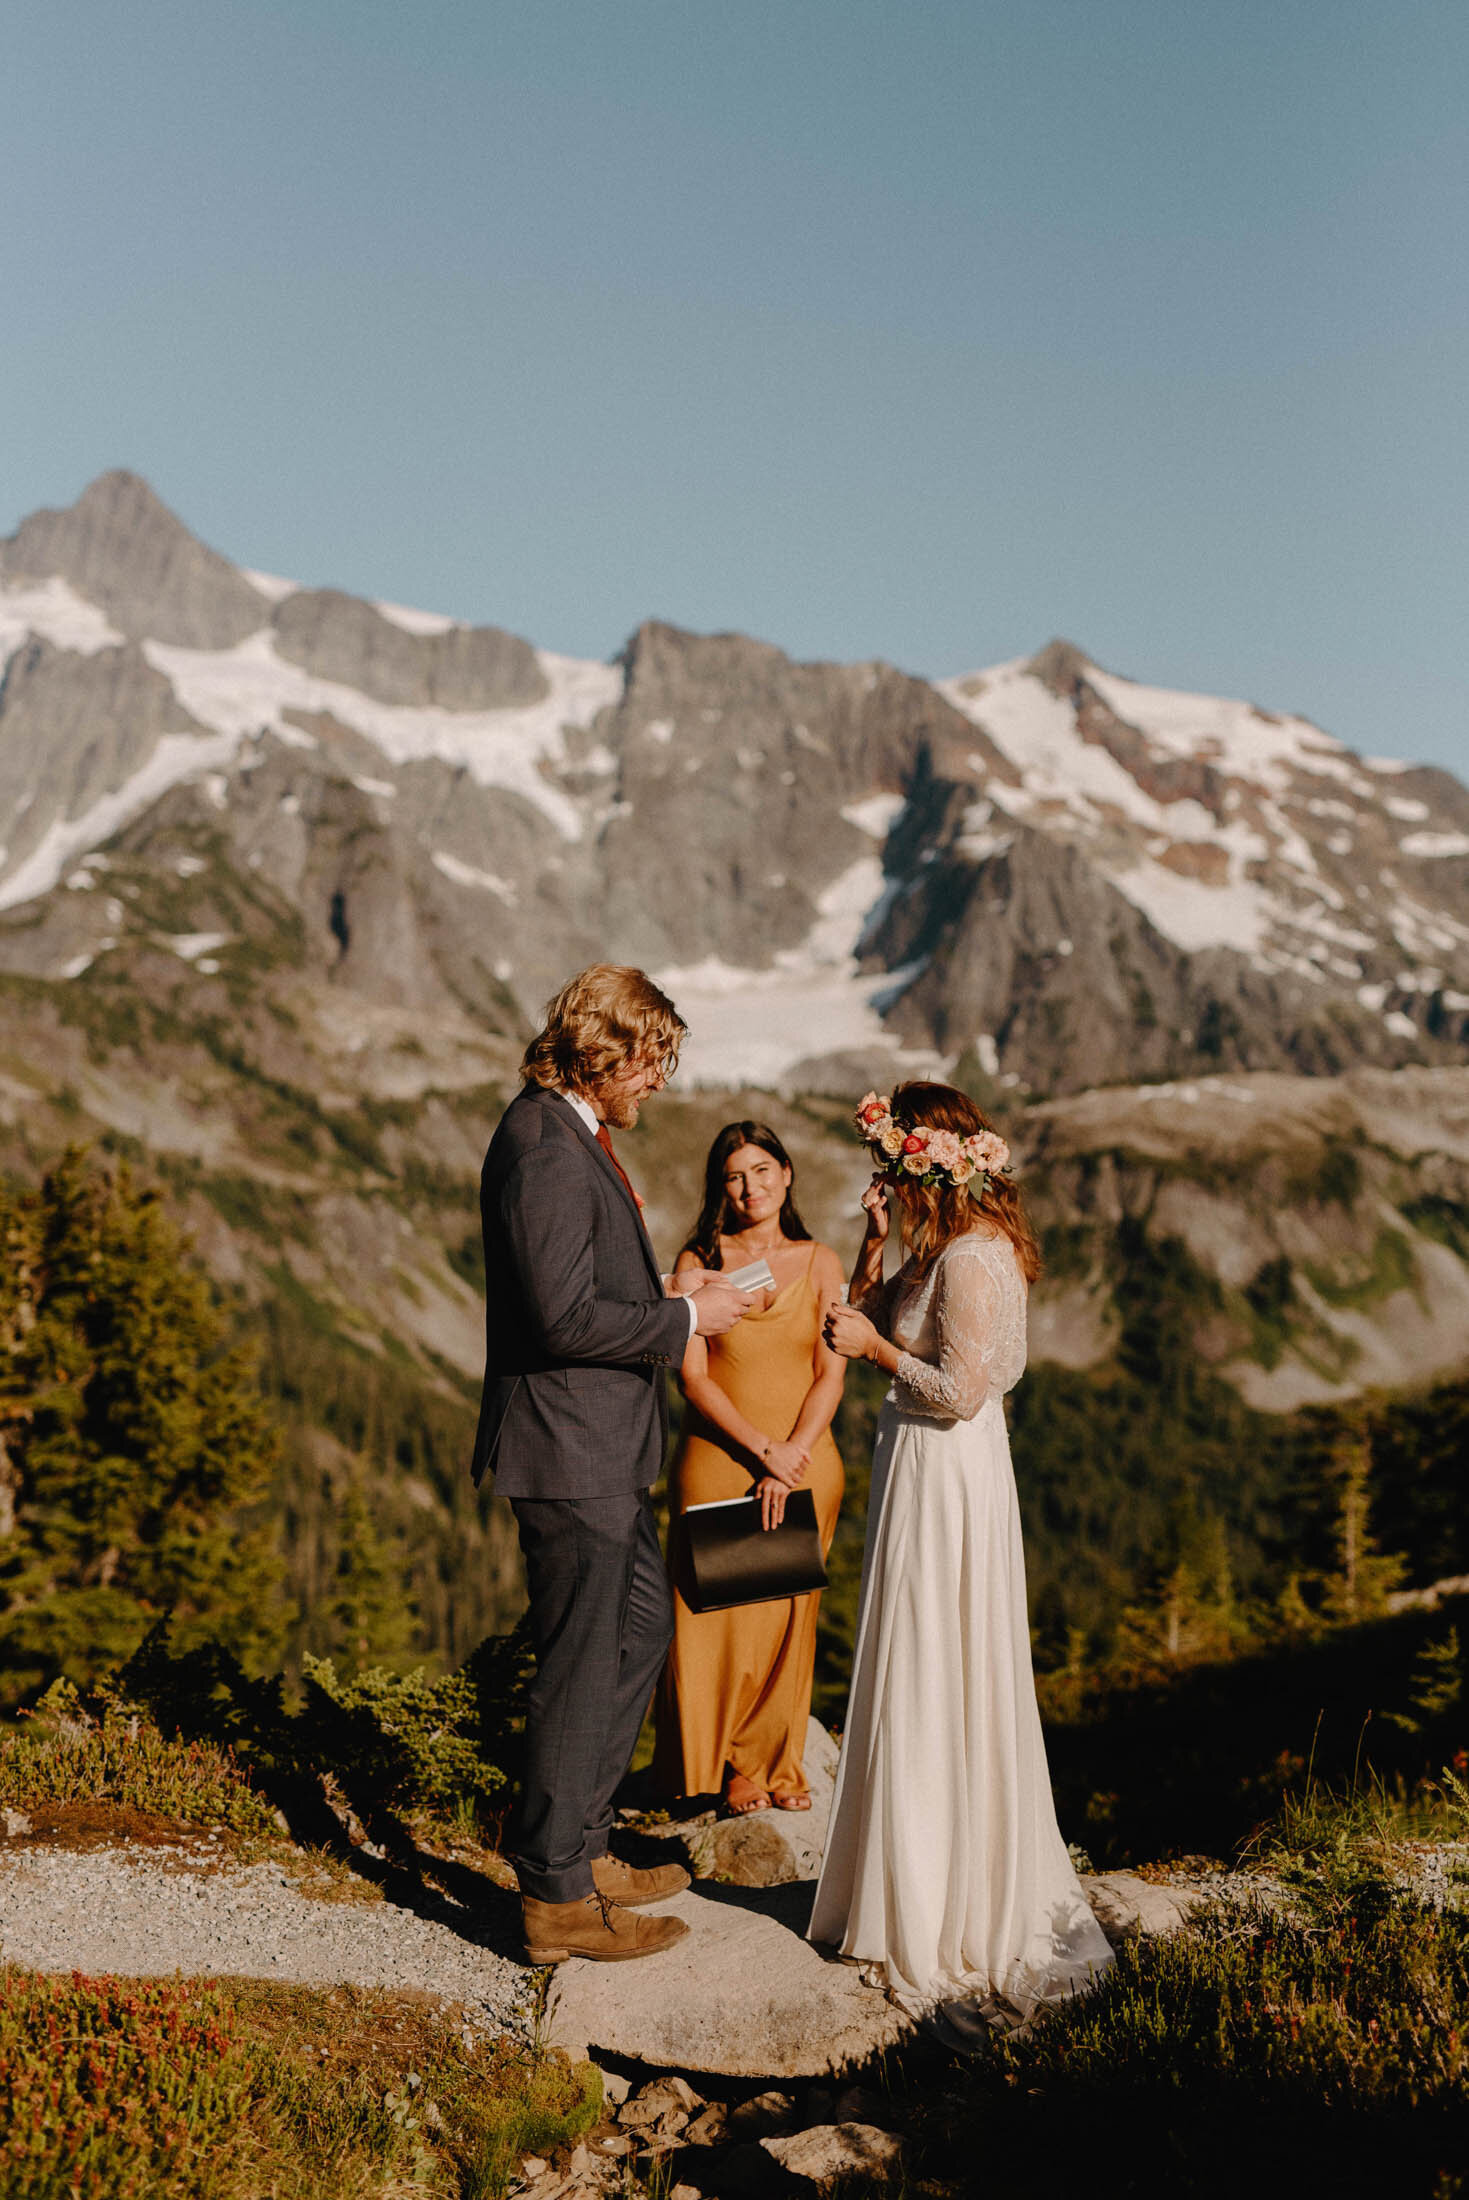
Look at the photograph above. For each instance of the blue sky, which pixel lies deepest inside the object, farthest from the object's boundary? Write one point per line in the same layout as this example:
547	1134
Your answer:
923	331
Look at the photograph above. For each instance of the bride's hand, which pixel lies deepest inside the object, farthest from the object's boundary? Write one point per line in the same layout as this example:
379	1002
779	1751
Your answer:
874	1199
787	1463
849	1333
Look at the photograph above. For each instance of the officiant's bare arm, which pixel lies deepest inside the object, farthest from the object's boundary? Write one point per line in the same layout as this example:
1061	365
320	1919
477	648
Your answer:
828	1368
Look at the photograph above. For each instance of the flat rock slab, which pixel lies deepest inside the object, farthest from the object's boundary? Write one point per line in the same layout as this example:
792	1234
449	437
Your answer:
764	1847
1130	1908
744	1996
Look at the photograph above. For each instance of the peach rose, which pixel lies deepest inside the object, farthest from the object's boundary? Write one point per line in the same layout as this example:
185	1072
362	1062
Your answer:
890	1139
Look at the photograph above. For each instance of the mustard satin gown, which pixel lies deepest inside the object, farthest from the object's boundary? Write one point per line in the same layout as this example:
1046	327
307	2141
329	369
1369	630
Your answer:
737	1686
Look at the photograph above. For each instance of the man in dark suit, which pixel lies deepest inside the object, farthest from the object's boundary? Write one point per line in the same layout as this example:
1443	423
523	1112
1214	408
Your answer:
580	1327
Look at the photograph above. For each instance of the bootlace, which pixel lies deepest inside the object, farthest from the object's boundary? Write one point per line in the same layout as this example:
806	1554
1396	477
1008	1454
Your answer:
606	1905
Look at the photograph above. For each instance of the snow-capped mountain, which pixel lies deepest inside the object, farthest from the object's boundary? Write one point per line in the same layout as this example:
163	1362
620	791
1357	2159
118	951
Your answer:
217	786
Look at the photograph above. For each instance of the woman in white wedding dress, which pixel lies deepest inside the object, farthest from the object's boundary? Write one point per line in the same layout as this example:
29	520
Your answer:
945	1871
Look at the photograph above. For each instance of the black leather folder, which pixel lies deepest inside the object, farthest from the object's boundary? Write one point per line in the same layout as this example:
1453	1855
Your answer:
733	1560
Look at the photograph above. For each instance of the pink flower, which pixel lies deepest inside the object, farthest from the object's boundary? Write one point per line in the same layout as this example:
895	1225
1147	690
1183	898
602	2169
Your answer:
944	1148
989	1150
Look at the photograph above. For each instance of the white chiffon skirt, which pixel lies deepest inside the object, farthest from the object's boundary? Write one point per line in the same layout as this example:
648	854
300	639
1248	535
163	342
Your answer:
945	1870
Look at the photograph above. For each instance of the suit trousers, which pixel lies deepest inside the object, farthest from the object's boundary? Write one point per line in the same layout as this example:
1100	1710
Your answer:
601	1621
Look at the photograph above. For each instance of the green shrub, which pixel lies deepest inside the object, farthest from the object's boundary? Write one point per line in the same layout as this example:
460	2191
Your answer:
65	1755
1315	2043
434	1727
395	1746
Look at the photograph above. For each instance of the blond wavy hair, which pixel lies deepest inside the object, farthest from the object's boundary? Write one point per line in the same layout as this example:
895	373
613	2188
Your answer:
934	1214
604	1017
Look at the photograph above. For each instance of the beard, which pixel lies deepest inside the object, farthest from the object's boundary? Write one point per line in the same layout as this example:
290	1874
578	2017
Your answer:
619	1112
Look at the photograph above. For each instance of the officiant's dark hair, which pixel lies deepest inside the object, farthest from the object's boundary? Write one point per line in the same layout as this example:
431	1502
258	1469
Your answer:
933	1214
703	1239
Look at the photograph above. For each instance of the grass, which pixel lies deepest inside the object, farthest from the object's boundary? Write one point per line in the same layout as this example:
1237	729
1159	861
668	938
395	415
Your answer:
1316	2039
239	2090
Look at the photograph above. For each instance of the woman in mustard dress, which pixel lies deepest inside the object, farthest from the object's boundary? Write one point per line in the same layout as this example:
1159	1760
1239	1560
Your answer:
736	1691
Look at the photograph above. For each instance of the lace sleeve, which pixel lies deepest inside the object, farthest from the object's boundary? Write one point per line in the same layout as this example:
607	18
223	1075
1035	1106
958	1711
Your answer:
967	1326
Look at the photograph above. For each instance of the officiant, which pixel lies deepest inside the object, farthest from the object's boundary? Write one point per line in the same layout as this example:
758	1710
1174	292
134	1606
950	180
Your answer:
735	1696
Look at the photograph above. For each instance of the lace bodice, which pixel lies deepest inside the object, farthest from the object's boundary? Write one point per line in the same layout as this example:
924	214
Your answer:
960	1331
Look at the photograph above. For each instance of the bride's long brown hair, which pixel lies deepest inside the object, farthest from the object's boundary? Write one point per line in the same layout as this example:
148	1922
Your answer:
934	1214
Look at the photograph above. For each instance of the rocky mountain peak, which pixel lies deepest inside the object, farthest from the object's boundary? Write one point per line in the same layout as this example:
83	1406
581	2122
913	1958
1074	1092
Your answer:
342	638
1061	667
122	549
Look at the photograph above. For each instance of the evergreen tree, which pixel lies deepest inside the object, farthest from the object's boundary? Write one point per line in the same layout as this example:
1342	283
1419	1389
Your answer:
370	1620
134	1445
1365	1577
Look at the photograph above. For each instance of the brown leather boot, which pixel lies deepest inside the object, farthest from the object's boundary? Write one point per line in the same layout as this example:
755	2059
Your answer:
631	1887
593	1927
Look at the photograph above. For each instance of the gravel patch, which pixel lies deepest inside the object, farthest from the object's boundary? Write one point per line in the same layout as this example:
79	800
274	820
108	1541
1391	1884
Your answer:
139	1914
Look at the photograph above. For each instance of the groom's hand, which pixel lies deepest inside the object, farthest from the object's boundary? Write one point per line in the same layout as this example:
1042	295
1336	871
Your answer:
717	1304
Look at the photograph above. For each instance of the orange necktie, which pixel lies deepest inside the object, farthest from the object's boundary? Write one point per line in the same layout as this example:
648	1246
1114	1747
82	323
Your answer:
604	1140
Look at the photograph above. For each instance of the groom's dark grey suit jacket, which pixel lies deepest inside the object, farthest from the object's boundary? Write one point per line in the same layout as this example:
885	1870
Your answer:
578	1330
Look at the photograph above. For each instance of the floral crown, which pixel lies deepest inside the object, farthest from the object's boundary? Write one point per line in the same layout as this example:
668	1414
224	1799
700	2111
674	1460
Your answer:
923	1155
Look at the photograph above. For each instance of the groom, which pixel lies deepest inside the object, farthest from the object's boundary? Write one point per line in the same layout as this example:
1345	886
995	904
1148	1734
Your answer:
579	1329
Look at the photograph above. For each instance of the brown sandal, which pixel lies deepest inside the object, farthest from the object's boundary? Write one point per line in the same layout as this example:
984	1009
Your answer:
757	1799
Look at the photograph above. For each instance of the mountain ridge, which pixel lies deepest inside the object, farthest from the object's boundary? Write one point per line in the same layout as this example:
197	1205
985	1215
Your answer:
1069	877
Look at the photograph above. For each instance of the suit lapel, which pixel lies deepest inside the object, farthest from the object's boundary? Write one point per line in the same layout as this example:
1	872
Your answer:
570	1117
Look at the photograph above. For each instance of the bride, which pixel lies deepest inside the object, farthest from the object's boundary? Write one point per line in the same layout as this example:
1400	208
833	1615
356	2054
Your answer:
945	1871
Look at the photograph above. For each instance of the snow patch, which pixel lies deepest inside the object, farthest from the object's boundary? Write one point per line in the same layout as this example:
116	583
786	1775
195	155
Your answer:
1434	845
249	688
189	946
875	813
416	622
54	611
178	756
1412	813
1194	915
269	585
465	874
754	1026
